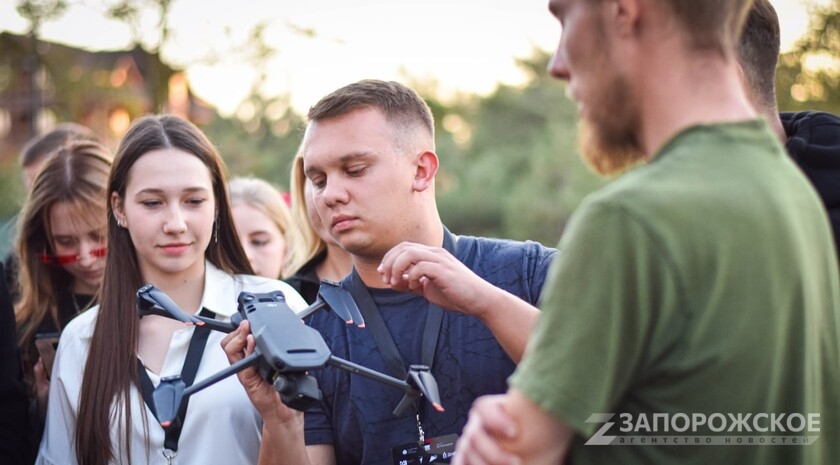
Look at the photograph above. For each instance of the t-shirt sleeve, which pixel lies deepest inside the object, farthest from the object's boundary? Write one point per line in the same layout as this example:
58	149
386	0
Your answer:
317	428
610	292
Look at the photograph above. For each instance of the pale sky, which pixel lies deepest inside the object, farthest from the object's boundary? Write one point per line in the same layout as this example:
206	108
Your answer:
464	45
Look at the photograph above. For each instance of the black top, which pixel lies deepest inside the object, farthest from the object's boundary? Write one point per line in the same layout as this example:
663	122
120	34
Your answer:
814	144
69	305
13	400
11	275
306	280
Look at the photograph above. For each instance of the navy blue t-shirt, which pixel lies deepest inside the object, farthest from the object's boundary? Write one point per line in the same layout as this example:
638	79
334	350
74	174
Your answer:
468	362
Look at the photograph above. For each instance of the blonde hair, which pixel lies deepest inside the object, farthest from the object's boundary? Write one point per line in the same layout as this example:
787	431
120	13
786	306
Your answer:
263	196
305	243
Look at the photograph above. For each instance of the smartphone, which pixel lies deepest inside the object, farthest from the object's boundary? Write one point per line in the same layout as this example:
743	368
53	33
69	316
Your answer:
47	343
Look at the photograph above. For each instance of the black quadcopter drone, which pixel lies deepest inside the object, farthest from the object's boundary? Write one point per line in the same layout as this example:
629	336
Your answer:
286	349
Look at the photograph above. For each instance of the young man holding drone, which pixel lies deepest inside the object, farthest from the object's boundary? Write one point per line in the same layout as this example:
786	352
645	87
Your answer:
369	153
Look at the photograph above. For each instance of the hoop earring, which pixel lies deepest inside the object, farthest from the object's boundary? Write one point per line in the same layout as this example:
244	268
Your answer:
216	232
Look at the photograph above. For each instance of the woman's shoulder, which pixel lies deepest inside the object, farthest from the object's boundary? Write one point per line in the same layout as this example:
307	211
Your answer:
74	344
82	325
219	286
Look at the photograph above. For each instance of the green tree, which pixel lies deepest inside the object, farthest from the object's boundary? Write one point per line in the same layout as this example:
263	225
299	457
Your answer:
519	176
156	73
37	12
263	138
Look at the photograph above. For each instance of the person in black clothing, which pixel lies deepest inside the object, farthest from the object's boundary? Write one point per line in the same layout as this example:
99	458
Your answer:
13	403
313	254
812	138
813	141
61	245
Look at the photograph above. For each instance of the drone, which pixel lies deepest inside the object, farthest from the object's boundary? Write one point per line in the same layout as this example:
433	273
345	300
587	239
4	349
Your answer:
285	350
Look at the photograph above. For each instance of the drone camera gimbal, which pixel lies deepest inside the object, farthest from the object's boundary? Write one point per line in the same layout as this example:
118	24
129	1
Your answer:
286	349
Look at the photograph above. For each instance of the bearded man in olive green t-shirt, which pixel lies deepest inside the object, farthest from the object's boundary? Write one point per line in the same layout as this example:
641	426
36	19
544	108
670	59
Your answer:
691	315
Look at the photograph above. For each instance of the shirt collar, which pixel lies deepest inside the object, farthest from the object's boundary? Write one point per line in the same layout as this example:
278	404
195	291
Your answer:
218	287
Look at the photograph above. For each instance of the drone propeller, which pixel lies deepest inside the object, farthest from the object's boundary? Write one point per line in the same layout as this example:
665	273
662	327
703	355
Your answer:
331	296
422	382
167	398
152	301
427	384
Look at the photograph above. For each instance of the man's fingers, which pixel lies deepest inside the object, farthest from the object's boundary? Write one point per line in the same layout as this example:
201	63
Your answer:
488	427
236	342
494	417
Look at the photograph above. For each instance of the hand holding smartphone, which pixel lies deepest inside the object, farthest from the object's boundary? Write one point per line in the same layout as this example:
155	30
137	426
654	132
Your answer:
47	343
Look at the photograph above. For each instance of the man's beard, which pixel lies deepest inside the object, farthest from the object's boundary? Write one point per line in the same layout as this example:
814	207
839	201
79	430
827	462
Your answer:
609	140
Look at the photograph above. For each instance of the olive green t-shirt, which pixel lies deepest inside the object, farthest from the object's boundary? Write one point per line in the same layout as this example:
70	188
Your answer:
701	283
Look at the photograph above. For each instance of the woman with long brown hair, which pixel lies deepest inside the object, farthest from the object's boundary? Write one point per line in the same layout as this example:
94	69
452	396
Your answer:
169	224
60	248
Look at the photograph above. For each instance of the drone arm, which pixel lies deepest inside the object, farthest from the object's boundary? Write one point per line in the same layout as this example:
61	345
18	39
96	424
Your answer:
217	325
246	362
368	373
422	382
317	305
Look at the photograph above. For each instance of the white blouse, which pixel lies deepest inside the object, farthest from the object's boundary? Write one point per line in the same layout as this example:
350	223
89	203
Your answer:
221	427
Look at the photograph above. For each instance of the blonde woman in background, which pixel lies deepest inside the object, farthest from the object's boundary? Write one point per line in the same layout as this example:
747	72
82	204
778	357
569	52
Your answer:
263	222
314	254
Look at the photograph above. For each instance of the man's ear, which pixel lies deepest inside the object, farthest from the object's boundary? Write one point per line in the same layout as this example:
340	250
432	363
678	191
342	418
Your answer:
624	16
427	166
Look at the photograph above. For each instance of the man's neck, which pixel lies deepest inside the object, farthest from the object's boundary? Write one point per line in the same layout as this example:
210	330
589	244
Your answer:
367	270
366	266
776	125
336	265
690	90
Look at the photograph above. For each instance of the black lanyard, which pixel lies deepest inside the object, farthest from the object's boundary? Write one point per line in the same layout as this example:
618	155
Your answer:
382	337
188	371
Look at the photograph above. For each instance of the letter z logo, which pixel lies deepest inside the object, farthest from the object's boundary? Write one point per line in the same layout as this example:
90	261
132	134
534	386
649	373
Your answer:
598	439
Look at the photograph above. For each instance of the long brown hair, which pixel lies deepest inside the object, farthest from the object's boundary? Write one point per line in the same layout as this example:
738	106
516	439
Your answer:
111	367
76	174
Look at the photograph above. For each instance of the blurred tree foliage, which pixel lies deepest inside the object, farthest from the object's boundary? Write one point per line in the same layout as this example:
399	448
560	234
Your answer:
263	138
261	146
808	77
513	171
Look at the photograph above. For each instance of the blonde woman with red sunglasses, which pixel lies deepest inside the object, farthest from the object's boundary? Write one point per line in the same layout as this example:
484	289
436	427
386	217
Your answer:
61	245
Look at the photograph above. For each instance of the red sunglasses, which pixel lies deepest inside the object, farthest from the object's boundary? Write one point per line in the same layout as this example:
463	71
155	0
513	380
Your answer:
61	260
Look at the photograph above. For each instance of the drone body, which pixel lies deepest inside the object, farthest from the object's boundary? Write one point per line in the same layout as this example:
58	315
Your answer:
286	349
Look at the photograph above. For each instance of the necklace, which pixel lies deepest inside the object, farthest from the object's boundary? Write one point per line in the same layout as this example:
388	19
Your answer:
81	302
